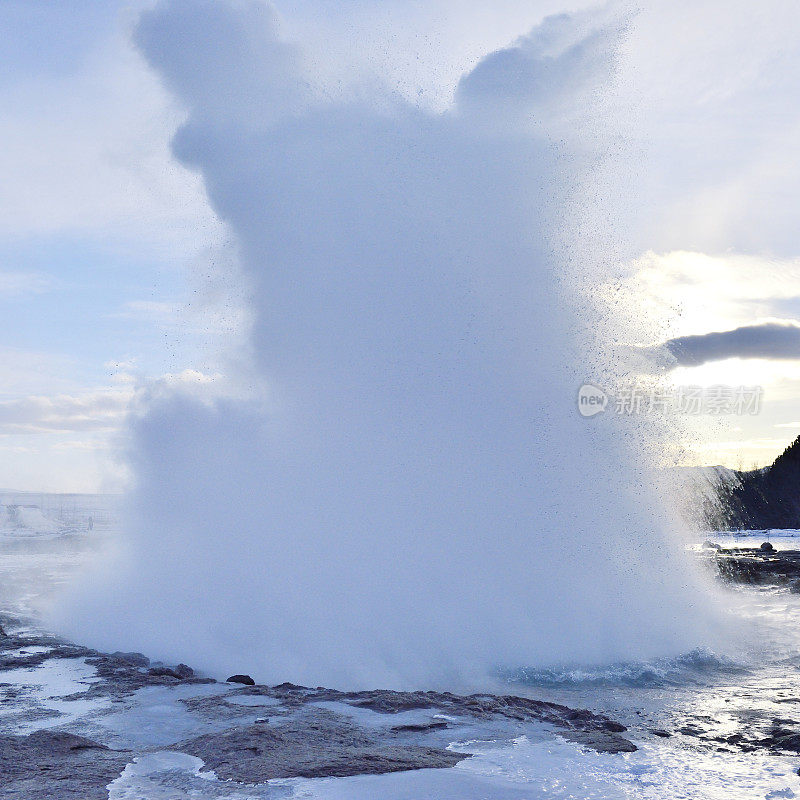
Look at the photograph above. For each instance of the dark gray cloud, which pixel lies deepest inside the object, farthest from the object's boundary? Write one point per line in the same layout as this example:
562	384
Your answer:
773	340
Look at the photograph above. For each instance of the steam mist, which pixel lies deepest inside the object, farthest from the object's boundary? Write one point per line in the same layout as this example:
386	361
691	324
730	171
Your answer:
413	499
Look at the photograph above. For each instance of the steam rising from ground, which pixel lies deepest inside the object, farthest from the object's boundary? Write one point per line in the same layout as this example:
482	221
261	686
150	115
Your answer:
414	499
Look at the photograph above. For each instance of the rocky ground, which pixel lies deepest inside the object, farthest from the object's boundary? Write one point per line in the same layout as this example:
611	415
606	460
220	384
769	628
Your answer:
763	565
72	719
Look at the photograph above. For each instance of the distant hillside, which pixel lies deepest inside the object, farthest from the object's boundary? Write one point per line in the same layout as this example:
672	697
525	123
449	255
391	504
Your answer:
764	498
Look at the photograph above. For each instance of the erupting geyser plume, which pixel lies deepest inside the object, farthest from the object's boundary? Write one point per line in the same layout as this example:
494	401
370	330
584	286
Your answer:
414	499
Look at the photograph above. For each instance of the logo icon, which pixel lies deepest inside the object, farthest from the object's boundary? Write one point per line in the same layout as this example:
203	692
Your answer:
591	400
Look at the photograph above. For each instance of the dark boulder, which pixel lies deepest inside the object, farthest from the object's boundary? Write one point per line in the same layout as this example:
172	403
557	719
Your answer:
421	727
245	679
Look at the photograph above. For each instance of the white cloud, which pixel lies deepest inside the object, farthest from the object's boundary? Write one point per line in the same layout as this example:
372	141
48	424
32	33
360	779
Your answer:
88	151
102	410
81	444
421	48
74	441
61	462
738	453
24	372
705	90
17	283
685	293
152	309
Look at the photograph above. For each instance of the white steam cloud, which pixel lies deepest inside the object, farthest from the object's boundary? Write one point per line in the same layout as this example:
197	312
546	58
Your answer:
416	501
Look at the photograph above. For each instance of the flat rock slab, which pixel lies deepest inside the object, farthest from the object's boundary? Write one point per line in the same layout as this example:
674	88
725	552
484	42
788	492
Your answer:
53	764
316	744
567	721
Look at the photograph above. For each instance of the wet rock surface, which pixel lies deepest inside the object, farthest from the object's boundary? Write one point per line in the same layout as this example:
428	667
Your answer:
762	566
315	744
245	733
181	672
51	764
777	736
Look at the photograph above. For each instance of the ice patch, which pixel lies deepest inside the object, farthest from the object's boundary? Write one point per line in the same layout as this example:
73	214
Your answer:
49	683
560	770
156	717
178	776
368	718
425	784
55	678
20	652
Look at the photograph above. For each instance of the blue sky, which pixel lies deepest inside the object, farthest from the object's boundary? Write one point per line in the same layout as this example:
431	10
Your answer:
115	271
103	241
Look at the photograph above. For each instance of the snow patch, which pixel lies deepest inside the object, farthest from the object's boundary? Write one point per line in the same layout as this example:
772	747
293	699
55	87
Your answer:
26	520
178	776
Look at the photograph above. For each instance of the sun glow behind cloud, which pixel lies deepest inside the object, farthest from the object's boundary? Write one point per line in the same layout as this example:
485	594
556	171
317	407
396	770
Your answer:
694	292
685	293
